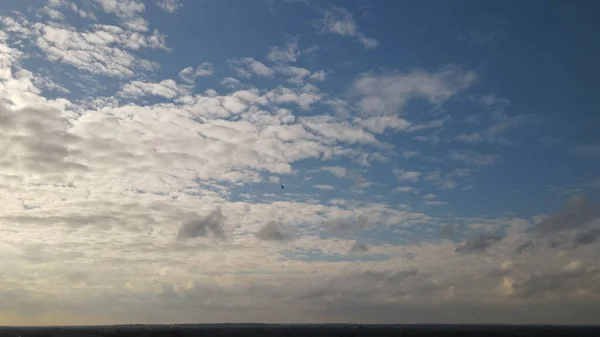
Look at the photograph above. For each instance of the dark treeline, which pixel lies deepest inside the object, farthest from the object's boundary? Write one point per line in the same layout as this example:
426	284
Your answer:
260	330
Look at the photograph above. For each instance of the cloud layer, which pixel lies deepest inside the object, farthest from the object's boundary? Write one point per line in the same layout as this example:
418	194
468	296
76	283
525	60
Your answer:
276	184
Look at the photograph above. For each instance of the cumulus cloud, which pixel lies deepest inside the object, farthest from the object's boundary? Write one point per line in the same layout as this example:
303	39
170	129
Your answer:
407	176
348	224
166	88
318	76
247	66
549	282
477	243
404	189
95	187
37	141
358	248
388	93
587	237
102	49
169	6
210	224
128	11
273	231
189	74
447	231
335	170
286	54
576	214
230	82
526	246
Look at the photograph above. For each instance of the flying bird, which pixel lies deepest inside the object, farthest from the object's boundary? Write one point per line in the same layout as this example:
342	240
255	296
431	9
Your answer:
281	186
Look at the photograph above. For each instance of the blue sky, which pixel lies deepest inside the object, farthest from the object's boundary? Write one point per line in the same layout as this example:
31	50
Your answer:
419	142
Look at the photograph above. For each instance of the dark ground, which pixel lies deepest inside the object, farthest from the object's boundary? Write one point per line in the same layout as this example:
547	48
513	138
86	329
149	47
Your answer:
260	330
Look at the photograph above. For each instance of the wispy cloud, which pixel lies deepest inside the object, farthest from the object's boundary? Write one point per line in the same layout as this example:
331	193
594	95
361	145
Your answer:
169	6
340	21
474	158
247	66
388	93
189	74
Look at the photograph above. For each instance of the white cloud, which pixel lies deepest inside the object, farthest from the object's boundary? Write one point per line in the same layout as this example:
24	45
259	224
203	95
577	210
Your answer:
230	82
247	66
474	158
169	6
495	132
325	187
387	94
435	203
287	54
189	74
337	131
318	76
154	190
128	11
52	13
448	181
100	50
166	88
411	154
408	176
335	170
341	22
404	189
304	97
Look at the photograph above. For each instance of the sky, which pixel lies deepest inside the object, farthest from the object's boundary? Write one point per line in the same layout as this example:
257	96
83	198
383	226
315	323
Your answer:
203	161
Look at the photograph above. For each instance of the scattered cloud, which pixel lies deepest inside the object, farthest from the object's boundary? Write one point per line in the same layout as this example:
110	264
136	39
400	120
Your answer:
388	93
407	176
576	214
128	11
340	225
478	243
495	133
404	189
272	231
189	74
169	6
230	82
286	54
358	248
448	231
435	203
318	76
247	66
166	88
210	224
340	21
109	159
335	170
526	246
474	158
